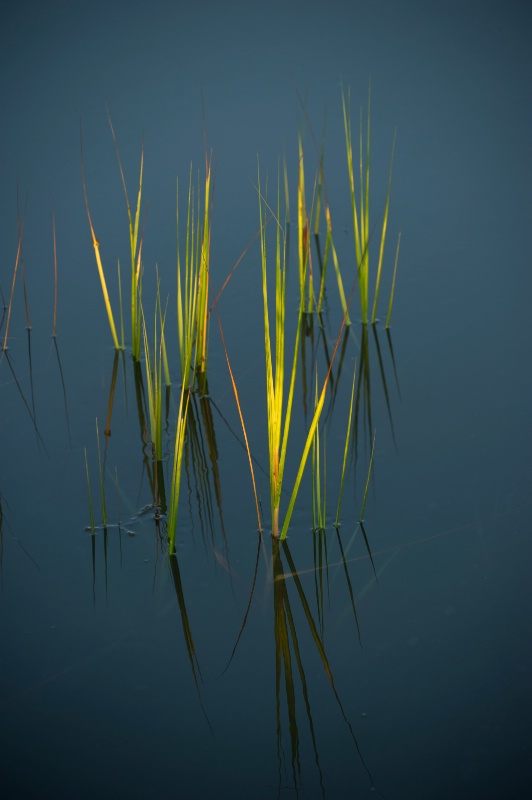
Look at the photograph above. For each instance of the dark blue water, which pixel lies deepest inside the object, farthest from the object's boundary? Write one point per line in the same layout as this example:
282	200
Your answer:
117	672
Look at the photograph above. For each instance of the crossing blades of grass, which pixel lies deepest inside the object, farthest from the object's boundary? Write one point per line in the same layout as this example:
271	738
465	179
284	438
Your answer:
135	246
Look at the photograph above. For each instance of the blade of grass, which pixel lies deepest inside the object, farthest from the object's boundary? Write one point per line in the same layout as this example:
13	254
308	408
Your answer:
91	510
383	235
13	281
102	481
392	290
361	517
96	246
135	246
257	505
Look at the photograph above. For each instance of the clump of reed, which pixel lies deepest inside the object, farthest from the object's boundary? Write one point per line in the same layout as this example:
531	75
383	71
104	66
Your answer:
193	316
279	413
360	210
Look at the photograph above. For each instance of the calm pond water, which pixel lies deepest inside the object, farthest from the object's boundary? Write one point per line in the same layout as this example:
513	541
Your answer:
244	668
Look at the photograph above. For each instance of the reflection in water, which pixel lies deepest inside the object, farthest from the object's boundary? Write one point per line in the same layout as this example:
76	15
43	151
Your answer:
187	631
289	660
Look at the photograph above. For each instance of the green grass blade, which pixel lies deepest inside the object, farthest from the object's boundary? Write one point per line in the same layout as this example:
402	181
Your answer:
177	466
392	290
96	246
102	482
383	235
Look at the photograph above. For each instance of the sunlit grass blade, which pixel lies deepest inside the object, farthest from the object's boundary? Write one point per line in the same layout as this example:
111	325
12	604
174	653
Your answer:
319	483
96	246
177	463
297	483
122	338
135	246
235	391
383	234
204	277
392	290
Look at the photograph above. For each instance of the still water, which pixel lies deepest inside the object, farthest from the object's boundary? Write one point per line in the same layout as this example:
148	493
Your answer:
242	667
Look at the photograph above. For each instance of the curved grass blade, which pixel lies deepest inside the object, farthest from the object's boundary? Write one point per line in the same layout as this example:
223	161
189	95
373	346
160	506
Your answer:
392	290
383	234
96	246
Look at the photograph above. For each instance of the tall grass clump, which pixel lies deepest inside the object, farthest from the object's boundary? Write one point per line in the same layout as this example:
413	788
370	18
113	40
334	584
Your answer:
360	208
279	414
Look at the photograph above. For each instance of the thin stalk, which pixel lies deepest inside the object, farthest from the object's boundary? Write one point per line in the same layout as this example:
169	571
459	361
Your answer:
54	331
370	468
184	401
286	192
13	281
392	291
123	346
204	277
102	486
329	242
91	509
135	246
235	390
96	246
24	287
303	232
383	234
